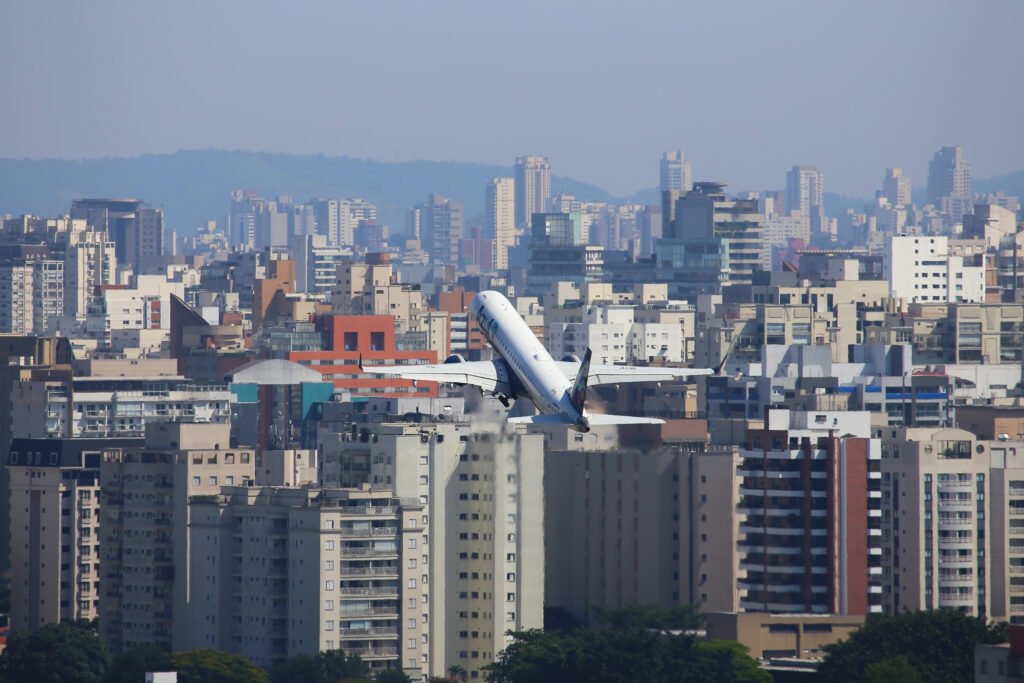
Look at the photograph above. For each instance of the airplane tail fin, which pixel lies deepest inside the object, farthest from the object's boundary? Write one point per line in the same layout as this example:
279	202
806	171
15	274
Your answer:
579	387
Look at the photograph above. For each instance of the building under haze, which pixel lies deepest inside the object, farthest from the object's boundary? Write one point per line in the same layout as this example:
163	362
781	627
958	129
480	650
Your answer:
441	229
949	181
532	187
676	172
896	187
805	193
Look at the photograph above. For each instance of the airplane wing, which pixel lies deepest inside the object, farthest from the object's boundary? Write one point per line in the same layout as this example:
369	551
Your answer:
483	374
623	374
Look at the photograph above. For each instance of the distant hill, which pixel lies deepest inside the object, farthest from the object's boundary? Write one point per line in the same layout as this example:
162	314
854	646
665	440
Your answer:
1011	184
193	186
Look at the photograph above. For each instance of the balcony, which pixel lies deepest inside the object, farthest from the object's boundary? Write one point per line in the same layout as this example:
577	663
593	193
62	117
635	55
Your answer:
368	552
368	571
380	592
370	612
373	652
374	532
362	633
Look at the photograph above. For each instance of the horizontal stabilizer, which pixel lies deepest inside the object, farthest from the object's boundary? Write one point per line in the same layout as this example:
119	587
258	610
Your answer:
597	420
540	420
593	420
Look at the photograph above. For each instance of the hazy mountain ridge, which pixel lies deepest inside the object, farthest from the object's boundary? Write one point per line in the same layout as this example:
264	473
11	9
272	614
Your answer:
193	186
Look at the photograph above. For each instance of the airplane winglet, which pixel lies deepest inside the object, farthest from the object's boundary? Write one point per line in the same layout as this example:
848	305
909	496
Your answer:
360	362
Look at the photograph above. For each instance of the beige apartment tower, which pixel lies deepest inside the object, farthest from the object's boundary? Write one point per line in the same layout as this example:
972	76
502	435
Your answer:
277	572
953	523
55	528
500	209
144	570
482	492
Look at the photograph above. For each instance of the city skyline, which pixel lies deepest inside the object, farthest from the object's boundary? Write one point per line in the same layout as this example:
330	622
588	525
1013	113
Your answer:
796	118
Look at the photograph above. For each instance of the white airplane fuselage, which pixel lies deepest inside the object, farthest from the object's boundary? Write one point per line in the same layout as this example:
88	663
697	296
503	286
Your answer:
544	382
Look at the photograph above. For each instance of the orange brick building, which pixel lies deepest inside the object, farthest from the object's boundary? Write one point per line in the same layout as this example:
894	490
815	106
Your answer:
372	338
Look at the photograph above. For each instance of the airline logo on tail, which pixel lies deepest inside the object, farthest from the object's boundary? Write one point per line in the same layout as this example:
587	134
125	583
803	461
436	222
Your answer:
578	396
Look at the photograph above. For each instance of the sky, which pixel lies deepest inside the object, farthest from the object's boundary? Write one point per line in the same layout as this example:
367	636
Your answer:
747	88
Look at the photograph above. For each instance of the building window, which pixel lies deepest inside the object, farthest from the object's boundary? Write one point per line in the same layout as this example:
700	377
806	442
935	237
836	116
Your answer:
329	585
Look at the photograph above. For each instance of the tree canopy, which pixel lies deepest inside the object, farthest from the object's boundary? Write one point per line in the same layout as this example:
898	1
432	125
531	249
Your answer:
326	667
212	666
393	676
132	665
55	653
937	646
622	655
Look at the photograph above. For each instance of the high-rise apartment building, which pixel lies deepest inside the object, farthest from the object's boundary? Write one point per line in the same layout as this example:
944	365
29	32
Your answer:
16	297
271	224
936	541
499	205
54	500
949	180
90	262
710	241
21	359
805	189
144	547
896	187
328	219
532	187
242	218
352	214
316	262
646	521
337	219
278	572
810	540
482	493
31	295
441	229
676	172
805	192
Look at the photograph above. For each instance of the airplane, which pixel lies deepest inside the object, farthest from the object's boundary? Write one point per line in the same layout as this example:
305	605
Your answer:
525	369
